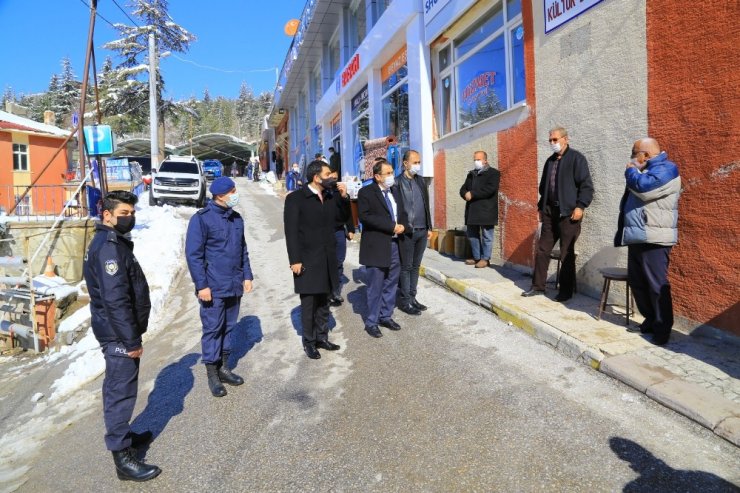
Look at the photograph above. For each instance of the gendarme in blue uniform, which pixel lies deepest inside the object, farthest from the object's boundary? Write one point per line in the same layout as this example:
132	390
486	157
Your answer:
120	306
218	259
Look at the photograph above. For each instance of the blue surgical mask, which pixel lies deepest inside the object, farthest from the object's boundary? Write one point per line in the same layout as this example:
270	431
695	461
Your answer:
233	200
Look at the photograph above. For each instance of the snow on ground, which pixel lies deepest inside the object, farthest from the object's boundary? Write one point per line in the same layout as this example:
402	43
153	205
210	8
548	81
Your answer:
268	187
159	247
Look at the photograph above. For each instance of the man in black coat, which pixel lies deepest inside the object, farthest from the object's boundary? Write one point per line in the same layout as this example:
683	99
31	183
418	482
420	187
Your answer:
480	192
415	198
383	222
565	192
309	219
335	161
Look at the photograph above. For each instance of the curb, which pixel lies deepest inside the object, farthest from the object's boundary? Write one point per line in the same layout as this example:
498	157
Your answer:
706	408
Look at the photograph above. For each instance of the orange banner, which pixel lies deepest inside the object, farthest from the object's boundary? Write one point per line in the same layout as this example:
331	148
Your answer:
391	67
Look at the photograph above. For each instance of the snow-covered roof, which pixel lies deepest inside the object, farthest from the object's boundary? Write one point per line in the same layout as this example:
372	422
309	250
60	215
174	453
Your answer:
15	122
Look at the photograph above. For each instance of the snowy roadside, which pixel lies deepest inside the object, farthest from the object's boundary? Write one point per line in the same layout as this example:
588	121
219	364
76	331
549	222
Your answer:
159	247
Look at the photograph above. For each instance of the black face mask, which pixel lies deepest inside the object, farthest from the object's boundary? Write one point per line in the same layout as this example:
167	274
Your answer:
124	224
329	183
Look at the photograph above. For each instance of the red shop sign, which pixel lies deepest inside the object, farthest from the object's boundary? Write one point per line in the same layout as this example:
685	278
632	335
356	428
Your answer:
352	68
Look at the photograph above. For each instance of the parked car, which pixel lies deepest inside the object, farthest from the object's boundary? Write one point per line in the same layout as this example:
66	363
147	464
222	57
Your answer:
179	179
213	169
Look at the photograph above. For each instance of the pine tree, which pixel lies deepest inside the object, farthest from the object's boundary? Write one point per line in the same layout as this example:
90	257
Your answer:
8	95
69	92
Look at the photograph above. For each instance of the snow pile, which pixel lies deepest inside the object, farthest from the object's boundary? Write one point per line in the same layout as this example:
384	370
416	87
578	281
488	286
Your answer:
53	285
159	247
268	188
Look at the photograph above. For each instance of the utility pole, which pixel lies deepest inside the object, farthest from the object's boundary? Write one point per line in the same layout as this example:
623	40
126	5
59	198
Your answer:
153	118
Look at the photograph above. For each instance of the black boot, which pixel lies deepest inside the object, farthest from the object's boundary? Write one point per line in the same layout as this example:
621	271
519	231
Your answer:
130	468
224	373
217	388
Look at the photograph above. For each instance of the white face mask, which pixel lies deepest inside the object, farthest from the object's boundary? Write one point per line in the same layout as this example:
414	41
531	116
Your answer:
415	168
478	164
233	200
555	147
389	181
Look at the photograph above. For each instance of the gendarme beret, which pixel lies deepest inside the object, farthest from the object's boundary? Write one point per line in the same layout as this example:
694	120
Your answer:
222	185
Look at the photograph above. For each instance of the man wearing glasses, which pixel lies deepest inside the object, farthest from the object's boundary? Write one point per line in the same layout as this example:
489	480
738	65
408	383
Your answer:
565	192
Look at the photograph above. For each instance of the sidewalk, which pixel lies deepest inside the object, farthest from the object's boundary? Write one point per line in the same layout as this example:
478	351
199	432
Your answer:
698	377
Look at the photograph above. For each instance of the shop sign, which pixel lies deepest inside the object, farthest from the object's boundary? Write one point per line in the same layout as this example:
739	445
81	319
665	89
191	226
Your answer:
336	124
478	87
558	12
432	8
351	70
396	62
359	99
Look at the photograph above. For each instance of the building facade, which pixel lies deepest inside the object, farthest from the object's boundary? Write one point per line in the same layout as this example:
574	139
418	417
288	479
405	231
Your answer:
449	77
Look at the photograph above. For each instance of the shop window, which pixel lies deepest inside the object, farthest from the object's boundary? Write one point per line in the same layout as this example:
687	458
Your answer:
396	115
481	72
20	157
360	126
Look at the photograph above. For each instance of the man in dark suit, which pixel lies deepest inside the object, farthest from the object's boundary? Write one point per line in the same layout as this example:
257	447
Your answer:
335	161
415	198
565	192
309	218
383	222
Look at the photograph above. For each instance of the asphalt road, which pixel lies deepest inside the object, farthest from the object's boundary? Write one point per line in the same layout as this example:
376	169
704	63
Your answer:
455	401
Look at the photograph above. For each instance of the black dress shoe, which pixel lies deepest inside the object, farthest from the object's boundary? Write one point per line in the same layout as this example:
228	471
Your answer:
418	305
140	439
410	310
645	328
327	345
532	292
389	323
312	352
374	331
563	297
660	339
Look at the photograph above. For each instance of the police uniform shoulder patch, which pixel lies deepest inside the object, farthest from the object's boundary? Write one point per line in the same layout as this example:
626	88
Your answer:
111	267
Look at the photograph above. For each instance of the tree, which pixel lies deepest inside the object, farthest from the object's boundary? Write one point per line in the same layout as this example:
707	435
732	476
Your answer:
68	96
129	79
8	95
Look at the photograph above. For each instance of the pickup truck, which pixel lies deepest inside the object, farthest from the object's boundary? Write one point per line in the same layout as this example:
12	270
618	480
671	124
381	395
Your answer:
179	179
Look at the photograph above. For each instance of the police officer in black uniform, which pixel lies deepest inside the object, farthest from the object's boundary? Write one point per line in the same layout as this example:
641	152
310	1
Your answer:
120	305
218	261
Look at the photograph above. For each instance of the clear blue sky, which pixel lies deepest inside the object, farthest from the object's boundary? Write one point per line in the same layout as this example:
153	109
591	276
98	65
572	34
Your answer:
233	35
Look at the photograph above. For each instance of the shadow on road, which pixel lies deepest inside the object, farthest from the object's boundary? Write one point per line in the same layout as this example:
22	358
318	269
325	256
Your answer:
657	476
167	399
295	319
245	335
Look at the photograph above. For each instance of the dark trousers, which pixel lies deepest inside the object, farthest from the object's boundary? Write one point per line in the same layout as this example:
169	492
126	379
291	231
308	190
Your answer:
315	318
218	317
412	247
119	395
556	228
647	269
341	239
382	284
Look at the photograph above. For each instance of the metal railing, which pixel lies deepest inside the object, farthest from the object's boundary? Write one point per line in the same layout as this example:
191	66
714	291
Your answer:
43	201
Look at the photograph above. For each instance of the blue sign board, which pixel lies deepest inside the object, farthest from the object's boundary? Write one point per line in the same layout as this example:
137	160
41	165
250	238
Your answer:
99	140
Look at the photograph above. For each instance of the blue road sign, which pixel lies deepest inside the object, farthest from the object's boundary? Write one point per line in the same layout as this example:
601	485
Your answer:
99	140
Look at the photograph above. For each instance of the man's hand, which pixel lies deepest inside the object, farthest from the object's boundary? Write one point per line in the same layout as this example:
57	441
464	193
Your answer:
136	353
247	286
429	234
342	187
296	268
577	214
350	236
468	196
205	294
398	229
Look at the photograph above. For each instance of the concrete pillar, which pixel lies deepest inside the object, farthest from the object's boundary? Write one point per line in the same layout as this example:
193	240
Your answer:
420	94
348	138
374	93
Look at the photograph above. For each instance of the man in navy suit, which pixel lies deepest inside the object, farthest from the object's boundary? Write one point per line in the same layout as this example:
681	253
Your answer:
383	222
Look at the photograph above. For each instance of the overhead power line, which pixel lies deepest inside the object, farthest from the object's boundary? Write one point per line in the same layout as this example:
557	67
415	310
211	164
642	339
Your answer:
226	71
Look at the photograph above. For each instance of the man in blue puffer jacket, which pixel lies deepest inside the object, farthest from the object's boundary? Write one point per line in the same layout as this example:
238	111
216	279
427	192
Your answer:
648	225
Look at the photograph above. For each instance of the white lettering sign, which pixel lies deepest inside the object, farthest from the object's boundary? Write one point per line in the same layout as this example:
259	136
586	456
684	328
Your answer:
558	12
432	8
